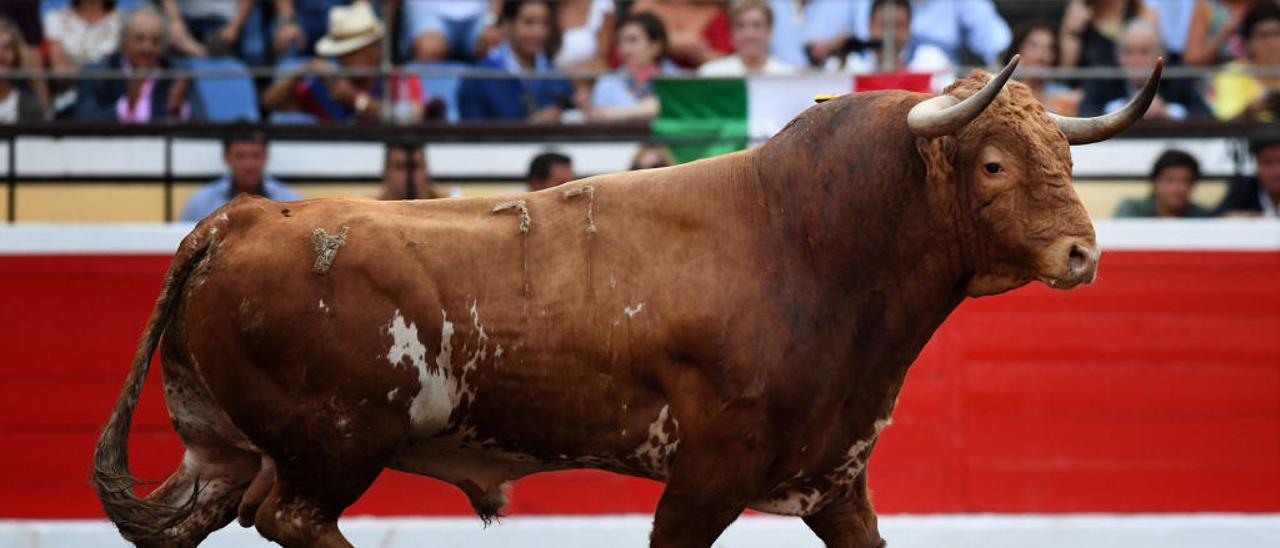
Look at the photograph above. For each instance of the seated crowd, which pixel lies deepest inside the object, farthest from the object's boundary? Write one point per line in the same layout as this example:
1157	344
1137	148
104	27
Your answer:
522	51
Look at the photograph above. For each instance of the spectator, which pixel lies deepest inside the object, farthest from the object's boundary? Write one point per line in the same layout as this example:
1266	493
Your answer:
144	97
1090	28
628	93
549	169
84	32
355	39
587	43
751	22
1237	94
1257	196
907	55
1037	43
827	26
246	157
398	167
1173	177
698	31
950	25
199	28
1139	46
1211	34
456	30
529	37
652	156
16	104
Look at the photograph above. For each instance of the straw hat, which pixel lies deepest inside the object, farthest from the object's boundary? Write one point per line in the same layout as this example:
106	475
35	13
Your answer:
350	28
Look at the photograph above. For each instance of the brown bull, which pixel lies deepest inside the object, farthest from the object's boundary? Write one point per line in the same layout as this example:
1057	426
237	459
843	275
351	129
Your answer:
738	327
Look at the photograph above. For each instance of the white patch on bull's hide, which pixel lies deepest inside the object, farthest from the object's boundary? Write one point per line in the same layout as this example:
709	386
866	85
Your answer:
655	453
794	498
797	502
631	312
429	412
324	307
497	352
843	475
213	231
475	322
223	217
391	396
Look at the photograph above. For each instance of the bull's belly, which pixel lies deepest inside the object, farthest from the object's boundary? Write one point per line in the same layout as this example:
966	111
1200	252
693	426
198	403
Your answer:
482	468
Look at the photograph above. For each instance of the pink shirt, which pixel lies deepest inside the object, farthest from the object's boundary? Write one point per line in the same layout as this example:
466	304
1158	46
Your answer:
141	111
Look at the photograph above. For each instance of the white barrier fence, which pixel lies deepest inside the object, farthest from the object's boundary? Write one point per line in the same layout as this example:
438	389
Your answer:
902	531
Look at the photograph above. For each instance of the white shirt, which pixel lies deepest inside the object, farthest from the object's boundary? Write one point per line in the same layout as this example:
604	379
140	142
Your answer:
9	108
733	66
84	42
578	44
457	10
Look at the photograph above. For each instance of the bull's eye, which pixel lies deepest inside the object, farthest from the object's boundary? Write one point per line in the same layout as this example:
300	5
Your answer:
992	168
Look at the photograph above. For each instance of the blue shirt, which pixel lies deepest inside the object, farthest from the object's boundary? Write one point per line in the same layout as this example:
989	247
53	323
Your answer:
621	90
949	24
212	196
512	98
785	42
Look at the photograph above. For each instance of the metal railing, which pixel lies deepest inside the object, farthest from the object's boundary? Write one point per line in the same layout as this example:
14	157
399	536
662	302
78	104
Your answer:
437	132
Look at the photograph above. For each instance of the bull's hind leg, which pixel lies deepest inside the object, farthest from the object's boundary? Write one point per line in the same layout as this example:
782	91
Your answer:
303	506
217	478
326	458
849	523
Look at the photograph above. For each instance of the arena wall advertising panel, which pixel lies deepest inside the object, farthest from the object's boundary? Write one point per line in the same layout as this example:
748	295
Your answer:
1156	389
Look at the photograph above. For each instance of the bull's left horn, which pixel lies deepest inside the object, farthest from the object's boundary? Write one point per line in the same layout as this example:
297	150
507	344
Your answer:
1082	131
944	114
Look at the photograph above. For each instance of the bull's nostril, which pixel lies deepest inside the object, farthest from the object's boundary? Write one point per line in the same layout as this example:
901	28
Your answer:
1078	260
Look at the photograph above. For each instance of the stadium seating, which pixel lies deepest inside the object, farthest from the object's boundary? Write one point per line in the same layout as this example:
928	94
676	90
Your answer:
227	93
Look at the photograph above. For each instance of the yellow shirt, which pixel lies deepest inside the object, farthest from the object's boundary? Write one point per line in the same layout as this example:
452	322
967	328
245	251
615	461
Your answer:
1234	90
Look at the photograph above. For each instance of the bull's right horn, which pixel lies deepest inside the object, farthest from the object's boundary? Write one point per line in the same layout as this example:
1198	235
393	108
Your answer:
1082	131
945	115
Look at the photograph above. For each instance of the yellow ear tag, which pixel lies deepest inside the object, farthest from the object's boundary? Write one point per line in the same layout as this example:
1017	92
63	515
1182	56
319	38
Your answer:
823	98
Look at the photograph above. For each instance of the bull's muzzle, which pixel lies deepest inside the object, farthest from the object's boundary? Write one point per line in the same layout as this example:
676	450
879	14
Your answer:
1072	262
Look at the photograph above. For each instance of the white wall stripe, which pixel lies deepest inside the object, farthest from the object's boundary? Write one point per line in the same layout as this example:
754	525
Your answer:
902	531
1113	235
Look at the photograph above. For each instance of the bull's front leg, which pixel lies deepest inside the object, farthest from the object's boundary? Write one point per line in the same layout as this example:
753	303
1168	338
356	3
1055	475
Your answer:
850	522
715	474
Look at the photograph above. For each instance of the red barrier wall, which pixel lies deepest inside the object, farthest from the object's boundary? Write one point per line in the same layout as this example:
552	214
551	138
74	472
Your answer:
1156	389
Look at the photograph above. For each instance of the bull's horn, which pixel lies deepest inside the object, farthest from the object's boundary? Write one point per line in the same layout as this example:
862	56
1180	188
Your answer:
1082	131
944	114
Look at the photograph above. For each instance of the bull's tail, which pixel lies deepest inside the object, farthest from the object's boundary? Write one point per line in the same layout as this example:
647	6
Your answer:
139	518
